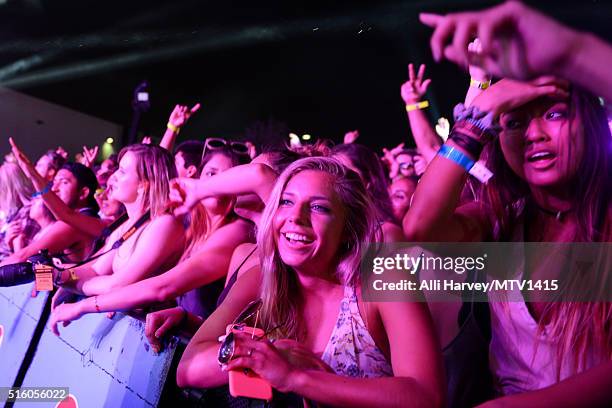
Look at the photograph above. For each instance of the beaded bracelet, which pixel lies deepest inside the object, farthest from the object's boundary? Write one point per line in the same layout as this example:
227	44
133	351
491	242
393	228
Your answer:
481	123
472	146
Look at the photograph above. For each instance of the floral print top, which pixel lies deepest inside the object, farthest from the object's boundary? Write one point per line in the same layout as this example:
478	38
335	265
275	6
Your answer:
351	351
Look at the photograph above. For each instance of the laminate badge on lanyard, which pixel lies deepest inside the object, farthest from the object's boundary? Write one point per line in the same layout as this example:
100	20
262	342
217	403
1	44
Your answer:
44	277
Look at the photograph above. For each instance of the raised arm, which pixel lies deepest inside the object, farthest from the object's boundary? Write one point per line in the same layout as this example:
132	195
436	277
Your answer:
479	78
178	117
208	264
413	91
88	225
521	43
433	215
255	178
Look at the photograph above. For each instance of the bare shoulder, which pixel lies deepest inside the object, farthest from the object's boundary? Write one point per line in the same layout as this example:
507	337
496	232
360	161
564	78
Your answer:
164	227
166	221
243	250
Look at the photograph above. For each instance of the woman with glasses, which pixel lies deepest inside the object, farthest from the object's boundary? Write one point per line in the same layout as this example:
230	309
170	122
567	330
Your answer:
220	154
318	221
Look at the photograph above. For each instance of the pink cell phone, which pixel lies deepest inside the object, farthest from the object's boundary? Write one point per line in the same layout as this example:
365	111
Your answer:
244	382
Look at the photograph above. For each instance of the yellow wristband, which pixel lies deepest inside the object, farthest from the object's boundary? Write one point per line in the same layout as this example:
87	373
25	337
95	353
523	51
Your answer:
73	276
418	105
173	128
480	84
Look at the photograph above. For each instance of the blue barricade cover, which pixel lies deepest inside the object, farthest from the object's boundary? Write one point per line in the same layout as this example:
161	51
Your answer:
19	314
104	362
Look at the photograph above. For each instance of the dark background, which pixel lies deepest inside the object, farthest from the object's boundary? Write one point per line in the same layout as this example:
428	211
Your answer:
318	67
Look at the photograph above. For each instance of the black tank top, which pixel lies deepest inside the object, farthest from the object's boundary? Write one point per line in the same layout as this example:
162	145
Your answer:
466	357
232	279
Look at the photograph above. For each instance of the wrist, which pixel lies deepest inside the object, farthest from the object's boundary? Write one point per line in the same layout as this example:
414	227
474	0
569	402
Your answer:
59	279
569	60
43	191
480	83
96	306
412	100
480	75
417	106
297	380
172	127
86	306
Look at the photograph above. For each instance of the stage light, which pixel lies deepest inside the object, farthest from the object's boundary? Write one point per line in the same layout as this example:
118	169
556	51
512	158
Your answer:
306	137
110	140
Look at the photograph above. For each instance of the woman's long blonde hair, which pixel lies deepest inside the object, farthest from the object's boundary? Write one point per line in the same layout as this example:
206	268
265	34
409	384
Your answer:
154	166
15	188
280	292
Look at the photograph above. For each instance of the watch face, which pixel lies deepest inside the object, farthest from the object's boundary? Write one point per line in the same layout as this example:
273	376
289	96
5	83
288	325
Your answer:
226	351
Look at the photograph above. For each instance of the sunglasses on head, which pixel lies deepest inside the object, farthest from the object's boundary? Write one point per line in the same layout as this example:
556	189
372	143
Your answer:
216	143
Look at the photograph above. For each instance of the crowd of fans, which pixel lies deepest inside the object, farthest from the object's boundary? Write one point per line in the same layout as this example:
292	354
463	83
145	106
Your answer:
194	236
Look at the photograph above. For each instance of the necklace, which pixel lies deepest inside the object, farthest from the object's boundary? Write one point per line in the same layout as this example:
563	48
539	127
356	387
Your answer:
557	214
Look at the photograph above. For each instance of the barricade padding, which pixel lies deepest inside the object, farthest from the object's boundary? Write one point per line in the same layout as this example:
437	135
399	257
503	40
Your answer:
104	362
19	314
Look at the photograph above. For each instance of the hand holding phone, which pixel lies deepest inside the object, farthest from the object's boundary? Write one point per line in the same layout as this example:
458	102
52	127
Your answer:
243	382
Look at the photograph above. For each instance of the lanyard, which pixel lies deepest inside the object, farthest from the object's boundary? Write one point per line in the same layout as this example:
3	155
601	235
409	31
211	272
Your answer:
126	235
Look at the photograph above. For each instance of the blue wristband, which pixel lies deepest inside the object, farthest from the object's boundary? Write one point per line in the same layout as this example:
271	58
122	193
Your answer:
42	192
456	156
